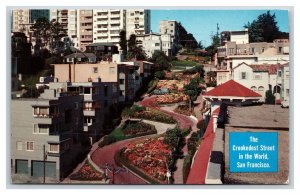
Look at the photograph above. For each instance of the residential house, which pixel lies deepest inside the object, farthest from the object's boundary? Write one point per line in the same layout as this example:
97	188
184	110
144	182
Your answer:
46	129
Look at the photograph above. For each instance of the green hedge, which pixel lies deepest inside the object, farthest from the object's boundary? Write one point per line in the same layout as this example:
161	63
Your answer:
186	132
134	169
186	167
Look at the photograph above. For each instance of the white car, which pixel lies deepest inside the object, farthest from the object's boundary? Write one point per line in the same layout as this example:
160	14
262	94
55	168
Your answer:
285	104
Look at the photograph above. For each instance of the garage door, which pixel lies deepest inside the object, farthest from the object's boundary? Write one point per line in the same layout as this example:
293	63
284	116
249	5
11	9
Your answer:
22	166
38	169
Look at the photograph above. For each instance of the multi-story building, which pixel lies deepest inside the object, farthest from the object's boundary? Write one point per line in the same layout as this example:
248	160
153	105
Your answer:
22	18
107	24
102	50
35	14
85	28
70	22
237	50
137	22
155	42
263	77
169	27
46	131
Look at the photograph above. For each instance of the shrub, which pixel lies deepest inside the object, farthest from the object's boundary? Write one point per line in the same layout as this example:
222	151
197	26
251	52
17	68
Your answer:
187	131
186	167
107	139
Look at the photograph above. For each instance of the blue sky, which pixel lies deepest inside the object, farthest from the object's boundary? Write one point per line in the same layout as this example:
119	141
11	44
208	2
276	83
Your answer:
202	23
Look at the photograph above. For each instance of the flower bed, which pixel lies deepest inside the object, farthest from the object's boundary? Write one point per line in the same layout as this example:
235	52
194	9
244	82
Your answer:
171	98
87	172
150	156
170	84
138	128
183	109
155	115
150	114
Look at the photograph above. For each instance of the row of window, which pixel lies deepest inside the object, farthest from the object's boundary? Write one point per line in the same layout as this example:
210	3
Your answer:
30	146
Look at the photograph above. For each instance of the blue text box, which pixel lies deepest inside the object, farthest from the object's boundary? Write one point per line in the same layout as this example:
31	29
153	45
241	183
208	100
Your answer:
253	152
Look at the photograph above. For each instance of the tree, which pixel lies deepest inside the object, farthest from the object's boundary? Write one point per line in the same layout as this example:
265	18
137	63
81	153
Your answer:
160	59
123	42
172	138
200	46
213	48
160	74
134	51
270	98
264	28
56	33
191	90
41	31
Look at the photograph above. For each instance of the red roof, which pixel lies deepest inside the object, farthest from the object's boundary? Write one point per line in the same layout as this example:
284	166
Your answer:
232	89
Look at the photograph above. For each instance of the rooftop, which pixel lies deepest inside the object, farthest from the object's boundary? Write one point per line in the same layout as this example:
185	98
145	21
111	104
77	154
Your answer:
231	89
259	116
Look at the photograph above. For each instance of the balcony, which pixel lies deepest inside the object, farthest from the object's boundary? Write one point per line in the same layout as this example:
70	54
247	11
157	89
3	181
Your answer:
89	112
104	16
115	22
101	22
115	16
87	20
114	28
102	28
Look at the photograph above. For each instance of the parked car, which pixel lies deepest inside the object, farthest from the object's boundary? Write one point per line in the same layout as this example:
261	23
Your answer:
285	104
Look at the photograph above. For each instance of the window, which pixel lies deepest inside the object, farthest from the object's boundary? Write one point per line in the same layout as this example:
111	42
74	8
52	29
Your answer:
253	88
263	49
120	93
111	70
121	81
243	75
171	24
156	44
40	129
257	76
54	148
261	90
76	105
231	50
287	92
29	146
279	49
95	69
253	49
279	73
19	145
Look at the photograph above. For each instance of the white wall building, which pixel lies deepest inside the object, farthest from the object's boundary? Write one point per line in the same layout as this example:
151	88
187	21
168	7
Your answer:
155	42
169	27
107	24
261	78
137	22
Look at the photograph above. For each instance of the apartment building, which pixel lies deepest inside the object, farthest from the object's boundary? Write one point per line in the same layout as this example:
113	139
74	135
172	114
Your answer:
237	49
155	42
46	129
22	18
137	22
169	27
85	28
107	24
69	19
102	50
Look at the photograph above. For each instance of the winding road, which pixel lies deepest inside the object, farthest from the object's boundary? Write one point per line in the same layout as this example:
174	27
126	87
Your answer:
106	154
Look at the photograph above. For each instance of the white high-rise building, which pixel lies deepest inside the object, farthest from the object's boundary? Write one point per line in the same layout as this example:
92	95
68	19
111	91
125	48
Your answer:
137	22
69	19
107	24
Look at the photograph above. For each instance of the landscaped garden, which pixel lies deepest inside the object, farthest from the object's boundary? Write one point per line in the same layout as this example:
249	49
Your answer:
171	98
184	109
149	156
129	129
87	172
150	114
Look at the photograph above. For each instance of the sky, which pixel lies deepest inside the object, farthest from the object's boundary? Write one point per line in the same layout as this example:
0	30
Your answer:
203	23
